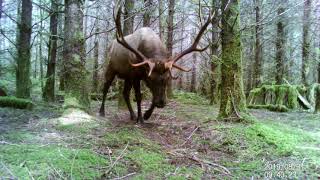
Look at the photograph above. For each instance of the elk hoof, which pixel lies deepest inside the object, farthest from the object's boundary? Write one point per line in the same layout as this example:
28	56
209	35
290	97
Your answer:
147	115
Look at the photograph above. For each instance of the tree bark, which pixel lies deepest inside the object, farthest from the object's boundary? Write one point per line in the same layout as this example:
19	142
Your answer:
193	73
75	73
214	51
147	14
49	88
161	26
280	47
23	82
258	64
170	40
306	42
317	107
232	94
95	64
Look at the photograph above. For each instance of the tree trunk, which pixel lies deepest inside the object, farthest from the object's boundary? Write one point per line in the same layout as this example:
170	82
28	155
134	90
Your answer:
232	94
75	73
95	64
214	51
41	57
280	48
48	93
194	73
161	26
1	2
306	42
170	40
147	14
317	107
258	64
128	26
60	52
23	82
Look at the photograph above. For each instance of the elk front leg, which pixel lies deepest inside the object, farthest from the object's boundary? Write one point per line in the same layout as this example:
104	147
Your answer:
148	113
137	90
109	78
126	95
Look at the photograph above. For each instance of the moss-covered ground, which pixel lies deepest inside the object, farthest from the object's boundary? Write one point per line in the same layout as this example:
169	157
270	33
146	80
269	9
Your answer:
182	141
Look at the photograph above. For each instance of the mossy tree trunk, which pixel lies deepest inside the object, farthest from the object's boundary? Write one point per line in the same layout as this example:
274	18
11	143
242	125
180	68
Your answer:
128	26
280	46
232	94
23	82
170	29
49	88
258	46
214	50
306	42
75	73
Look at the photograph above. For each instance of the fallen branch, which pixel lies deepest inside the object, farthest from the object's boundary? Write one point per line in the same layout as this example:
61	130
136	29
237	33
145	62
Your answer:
190	136
123	177
117	159
225	170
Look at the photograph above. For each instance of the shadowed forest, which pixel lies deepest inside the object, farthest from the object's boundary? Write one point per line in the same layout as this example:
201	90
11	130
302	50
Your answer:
159	89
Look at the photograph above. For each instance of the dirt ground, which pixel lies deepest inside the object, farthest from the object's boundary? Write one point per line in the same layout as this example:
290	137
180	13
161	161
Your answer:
180	130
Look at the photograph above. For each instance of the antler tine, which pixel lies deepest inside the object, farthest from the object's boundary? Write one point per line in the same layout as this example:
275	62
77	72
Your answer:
120	38
193	47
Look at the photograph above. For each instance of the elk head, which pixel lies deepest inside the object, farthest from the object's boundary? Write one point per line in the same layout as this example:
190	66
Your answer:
159	72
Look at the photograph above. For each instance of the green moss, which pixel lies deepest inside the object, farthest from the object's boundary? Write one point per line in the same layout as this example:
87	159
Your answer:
81	128
130	135
50	162
292	98
281	94
189	98
11	101
277	108
249	144
17	136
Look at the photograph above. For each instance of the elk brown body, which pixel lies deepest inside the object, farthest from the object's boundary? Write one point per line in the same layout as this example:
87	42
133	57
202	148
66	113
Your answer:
142	56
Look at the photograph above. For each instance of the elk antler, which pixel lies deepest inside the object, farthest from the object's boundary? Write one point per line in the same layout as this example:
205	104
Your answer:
121	40
193	47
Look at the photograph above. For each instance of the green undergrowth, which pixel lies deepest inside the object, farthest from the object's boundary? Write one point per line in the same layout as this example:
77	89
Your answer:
11	101
143	156
252	146
190	98
16	136
34	161
271	107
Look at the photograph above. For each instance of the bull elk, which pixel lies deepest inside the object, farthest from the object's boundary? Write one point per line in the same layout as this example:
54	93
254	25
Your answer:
142	56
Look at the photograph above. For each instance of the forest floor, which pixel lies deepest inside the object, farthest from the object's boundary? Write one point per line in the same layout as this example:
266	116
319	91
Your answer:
182	141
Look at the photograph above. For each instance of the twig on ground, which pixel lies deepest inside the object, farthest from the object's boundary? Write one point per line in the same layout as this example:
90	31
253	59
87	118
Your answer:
123	177
225	170
117	159
195	129
9	171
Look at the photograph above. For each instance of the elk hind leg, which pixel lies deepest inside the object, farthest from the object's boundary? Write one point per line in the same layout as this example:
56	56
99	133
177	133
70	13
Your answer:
109	77
126	96
137	90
